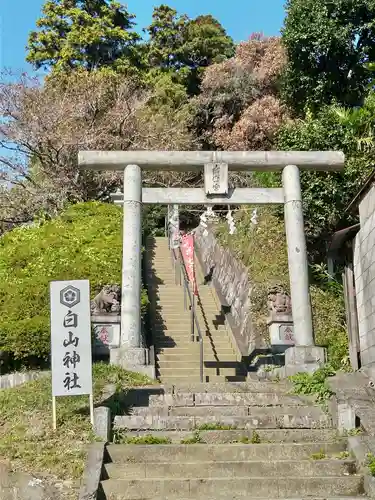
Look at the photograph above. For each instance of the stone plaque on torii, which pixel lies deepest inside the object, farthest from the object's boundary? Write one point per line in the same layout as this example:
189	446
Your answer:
216	192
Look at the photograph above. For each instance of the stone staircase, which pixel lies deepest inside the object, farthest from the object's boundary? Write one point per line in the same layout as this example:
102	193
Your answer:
222	440
227	441
177	357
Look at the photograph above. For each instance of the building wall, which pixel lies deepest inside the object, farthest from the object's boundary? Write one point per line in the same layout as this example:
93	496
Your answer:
364	272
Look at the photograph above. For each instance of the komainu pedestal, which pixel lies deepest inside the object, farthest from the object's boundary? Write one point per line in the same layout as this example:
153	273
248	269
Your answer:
280	319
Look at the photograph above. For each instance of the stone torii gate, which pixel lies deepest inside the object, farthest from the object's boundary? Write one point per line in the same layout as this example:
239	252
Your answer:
305	355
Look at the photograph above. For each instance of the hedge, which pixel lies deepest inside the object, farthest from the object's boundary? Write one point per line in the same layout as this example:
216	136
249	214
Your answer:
85	242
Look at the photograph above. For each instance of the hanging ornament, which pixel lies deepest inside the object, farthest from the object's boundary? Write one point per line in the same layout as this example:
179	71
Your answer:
207	217
231	223
210	213
254	217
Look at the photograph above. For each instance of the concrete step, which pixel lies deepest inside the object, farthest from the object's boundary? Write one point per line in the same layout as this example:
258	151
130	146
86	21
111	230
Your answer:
268	418
229	469
177	453
234	488
266	436
236	400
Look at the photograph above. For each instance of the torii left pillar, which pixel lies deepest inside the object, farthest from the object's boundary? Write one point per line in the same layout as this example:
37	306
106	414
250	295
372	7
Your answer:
131	354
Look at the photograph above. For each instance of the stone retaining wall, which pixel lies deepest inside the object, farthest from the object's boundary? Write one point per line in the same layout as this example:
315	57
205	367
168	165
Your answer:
231	281
18	378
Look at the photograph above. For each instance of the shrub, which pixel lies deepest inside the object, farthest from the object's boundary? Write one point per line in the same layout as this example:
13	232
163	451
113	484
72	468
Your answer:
85	242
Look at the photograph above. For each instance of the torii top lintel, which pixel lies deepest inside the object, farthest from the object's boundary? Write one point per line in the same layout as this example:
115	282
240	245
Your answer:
195	160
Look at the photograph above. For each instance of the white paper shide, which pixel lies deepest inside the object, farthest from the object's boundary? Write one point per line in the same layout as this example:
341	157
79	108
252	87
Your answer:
71	338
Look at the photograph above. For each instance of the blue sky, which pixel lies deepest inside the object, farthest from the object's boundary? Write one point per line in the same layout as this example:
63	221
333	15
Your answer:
239	17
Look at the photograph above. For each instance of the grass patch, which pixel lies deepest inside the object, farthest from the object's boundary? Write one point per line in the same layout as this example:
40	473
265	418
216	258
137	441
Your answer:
370	462
342	455
353	432
26	435
196	438
121	438
320	455
254	439
314	384
216	426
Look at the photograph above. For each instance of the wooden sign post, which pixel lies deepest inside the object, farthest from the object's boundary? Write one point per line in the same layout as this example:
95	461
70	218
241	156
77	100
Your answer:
71	349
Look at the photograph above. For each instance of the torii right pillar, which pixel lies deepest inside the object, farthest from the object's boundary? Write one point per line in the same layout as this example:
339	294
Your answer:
304	356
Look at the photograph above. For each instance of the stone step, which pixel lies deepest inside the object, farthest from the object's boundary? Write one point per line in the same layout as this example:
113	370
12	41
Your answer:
265	436
229	469
188	347
193	363
263	413
176	453
185	336
180	329
205	399
233	488
179	372
164	322
185	344
172	357
220	348
173	380
238	387
208	353
184	317
170	328
263	418
169	308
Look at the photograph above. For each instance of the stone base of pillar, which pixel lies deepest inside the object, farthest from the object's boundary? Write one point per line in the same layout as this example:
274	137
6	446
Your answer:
299	359
133	359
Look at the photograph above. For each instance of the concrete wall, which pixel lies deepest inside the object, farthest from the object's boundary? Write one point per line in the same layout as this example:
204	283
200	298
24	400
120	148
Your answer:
364	272
231	281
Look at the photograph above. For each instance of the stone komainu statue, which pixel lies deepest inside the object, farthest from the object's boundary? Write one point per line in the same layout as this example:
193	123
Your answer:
279	301
108	300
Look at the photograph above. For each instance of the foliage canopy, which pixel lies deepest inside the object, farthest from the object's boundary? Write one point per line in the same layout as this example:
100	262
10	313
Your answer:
328	44
91	34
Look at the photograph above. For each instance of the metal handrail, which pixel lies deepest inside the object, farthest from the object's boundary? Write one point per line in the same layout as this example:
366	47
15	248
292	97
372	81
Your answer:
178	260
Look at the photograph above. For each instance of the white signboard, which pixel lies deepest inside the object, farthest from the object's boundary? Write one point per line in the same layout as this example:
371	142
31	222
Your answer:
71	338
216	178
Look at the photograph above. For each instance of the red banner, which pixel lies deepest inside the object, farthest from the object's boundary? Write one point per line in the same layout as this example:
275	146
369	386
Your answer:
187	250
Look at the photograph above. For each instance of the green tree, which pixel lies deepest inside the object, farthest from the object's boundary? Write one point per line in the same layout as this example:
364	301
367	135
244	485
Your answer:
186	46
328	44
361	121
84	33
325	195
